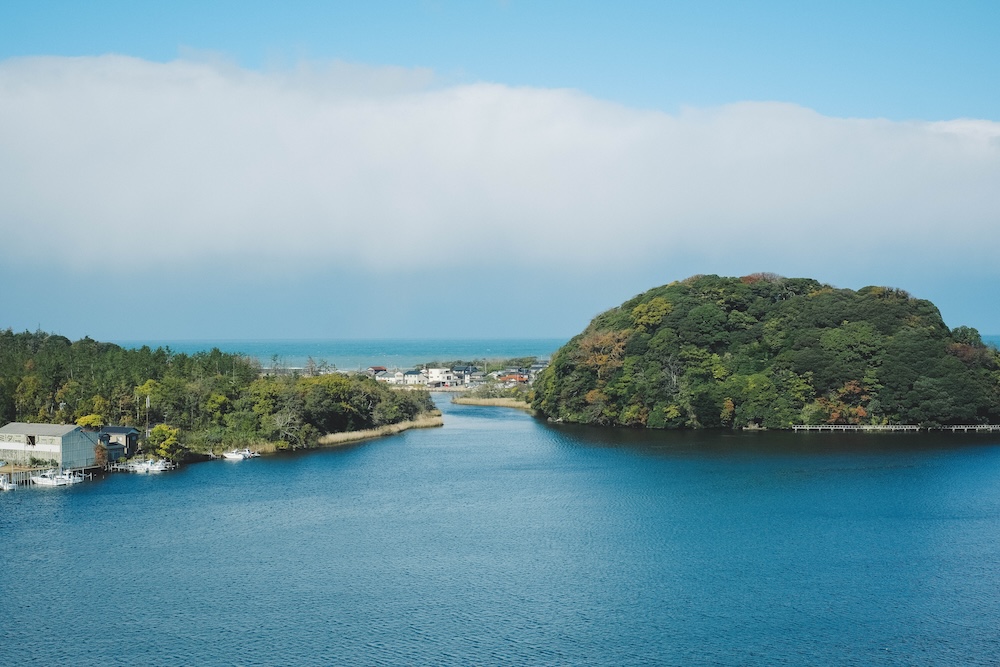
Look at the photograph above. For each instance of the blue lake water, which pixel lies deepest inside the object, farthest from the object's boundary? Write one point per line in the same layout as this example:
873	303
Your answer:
499	539
358	354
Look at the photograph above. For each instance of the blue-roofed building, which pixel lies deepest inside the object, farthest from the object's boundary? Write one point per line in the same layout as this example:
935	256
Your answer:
120	441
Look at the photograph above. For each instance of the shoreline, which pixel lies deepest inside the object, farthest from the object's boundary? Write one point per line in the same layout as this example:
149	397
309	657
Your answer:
431	419
427	420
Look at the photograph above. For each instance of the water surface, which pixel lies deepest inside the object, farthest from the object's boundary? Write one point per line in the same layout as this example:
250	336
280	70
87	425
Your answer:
500	539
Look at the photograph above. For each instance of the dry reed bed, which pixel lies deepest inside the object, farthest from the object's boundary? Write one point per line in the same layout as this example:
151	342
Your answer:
497	402
429	420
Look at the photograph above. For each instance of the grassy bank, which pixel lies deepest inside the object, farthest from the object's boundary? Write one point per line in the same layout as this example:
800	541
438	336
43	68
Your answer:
497	402
428	420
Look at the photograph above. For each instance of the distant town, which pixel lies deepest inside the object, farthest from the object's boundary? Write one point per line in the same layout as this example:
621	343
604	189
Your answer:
456	377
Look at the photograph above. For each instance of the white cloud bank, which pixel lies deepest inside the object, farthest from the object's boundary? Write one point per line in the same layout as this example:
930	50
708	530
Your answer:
206	162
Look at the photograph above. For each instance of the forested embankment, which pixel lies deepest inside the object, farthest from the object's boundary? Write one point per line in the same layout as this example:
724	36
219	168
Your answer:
205	401
766	351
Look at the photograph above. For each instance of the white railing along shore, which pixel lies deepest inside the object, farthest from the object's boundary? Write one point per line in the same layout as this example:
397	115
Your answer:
964	428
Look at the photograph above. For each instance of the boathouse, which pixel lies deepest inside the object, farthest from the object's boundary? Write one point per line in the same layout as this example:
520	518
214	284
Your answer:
68	445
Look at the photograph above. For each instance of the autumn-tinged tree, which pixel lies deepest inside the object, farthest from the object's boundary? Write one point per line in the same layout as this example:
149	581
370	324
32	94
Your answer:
603	351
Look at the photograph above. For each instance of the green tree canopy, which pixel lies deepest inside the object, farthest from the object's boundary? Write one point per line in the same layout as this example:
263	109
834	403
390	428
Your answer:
767	351
209	399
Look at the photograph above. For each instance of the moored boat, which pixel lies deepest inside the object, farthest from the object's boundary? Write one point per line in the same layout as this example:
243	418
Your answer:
71	477
159	465
240	454
148	465
6	484
56	478
49	478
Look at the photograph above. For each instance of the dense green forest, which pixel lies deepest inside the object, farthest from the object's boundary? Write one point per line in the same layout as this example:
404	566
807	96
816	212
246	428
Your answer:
771	352
210	400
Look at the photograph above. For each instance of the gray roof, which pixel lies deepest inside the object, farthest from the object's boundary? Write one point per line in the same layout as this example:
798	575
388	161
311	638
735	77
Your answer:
119	429
21	428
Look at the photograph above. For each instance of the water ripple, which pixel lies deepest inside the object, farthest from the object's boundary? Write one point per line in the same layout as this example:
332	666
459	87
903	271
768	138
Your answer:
503	540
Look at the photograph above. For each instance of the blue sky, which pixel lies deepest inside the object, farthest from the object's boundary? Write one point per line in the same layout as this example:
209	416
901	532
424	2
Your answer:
411	169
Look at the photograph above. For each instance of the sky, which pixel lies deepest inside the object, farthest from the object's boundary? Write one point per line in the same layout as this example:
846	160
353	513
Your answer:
422	169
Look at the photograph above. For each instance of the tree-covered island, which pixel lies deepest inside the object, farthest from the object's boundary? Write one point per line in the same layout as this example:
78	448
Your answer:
203	402
764	351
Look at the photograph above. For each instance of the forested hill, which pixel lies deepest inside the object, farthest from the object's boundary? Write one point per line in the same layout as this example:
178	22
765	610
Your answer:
767	351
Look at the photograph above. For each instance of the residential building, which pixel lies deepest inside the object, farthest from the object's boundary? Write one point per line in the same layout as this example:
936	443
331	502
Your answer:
414	377
120	441
465	374
440	377
390	377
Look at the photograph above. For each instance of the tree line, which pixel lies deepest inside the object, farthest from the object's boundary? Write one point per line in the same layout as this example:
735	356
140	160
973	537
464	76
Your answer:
205	400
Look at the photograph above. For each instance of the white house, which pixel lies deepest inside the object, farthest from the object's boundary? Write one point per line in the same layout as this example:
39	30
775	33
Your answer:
390	377
441	377
414	377
68	445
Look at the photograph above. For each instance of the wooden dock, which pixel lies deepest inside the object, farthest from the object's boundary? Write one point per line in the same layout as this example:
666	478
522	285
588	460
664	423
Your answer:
21	475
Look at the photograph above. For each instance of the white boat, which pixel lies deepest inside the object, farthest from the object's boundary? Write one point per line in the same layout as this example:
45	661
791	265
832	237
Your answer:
239	454
158	465
47	478
54	478
50	478
6	484
72	477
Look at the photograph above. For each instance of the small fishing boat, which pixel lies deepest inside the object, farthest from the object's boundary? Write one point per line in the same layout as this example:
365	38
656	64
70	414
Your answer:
47	478
6	484
56	478
72	477
239	454
157	465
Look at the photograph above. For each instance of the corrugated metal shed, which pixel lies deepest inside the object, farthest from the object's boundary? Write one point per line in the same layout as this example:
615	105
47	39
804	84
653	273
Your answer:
24	428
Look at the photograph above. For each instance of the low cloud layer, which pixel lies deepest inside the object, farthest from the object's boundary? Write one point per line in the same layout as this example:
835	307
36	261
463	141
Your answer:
193	162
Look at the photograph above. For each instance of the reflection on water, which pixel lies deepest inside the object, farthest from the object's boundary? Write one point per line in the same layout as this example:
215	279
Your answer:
500	539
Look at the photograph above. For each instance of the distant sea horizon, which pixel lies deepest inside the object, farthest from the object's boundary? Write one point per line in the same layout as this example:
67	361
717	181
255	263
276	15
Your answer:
360	353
